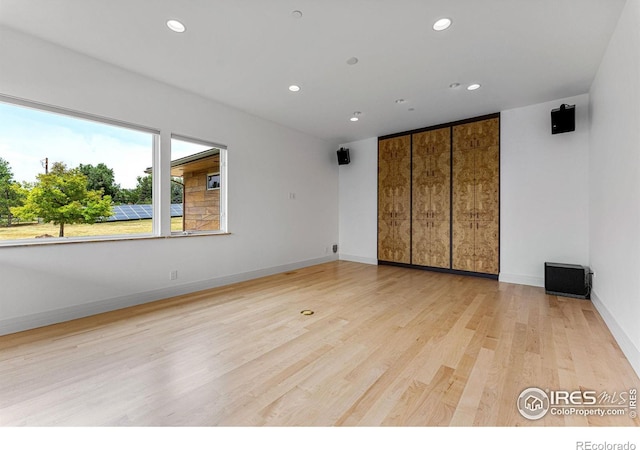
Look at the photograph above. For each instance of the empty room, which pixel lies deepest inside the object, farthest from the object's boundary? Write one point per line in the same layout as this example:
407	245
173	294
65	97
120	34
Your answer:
328	214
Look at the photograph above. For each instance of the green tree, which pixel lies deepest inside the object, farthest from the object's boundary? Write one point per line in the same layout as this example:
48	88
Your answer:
126	197
100	177
61	197
177	188
144	189
11	193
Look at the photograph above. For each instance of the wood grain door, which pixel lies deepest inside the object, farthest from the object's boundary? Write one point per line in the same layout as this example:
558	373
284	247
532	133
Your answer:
431	176
463	204
487	192
394	199
476	196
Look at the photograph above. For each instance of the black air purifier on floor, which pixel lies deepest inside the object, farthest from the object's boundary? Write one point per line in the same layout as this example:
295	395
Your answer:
567	280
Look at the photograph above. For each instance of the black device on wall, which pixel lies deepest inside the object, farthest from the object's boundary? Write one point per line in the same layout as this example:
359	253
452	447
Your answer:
343	156
567	280
563	119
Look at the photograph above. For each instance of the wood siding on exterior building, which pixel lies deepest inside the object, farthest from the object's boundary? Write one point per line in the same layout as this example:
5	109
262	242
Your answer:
201	206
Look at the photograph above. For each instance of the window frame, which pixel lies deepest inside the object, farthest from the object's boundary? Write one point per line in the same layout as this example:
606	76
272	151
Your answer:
211	175
223	185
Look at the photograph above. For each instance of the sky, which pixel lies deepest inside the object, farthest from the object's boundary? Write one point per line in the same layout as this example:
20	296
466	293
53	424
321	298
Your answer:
28	136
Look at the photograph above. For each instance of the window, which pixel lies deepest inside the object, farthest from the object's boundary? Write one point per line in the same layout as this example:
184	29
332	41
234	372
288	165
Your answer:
197	185
67	175
213	181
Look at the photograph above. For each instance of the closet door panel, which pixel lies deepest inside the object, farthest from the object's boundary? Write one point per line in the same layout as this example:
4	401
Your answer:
476	196
394	200
463	204
431	198
422	145
385	204
441	201
487	199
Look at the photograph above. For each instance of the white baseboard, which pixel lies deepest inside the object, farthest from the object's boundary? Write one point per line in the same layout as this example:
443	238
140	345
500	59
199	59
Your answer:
16	324
358	259
521	279
626	345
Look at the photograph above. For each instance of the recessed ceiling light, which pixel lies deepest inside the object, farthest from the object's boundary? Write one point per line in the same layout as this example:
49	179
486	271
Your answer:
454	85
175	25
355	117
296	14
294	88
411	109
400	100
352	61
473	87
442	24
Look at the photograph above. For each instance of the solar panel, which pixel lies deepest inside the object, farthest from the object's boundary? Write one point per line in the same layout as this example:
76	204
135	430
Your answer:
137	212
176	210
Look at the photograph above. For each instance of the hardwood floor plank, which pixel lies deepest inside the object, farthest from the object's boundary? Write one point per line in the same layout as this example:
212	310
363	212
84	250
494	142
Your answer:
466	409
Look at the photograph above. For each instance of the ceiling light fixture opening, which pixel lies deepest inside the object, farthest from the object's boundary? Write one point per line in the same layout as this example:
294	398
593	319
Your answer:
400	101
352	61
442	24
355	116
175	25
294	88
454	85
473	87
296	14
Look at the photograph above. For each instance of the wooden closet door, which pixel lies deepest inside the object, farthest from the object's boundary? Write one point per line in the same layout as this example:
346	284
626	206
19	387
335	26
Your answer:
463	204
431	176
487	191
475	196
394	199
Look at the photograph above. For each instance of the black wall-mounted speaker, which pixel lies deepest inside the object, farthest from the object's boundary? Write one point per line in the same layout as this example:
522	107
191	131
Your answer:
567	280
343	156
563	119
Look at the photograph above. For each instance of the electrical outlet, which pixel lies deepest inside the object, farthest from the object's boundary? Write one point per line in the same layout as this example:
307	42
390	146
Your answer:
335	248
173	275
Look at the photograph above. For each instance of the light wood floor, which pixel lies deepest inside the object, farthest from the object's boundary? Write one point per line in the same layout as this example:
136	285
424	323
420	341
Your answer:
386	346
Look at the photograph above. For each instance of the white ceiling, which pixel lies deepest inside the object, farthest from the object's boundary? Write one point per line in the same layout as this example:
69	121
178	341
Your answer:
245	53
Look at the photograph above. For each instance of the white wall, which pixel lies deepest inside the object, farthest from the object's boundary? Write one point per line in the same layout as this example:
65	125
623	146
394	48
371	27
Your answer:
544	204
266	162
358	200
615	184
